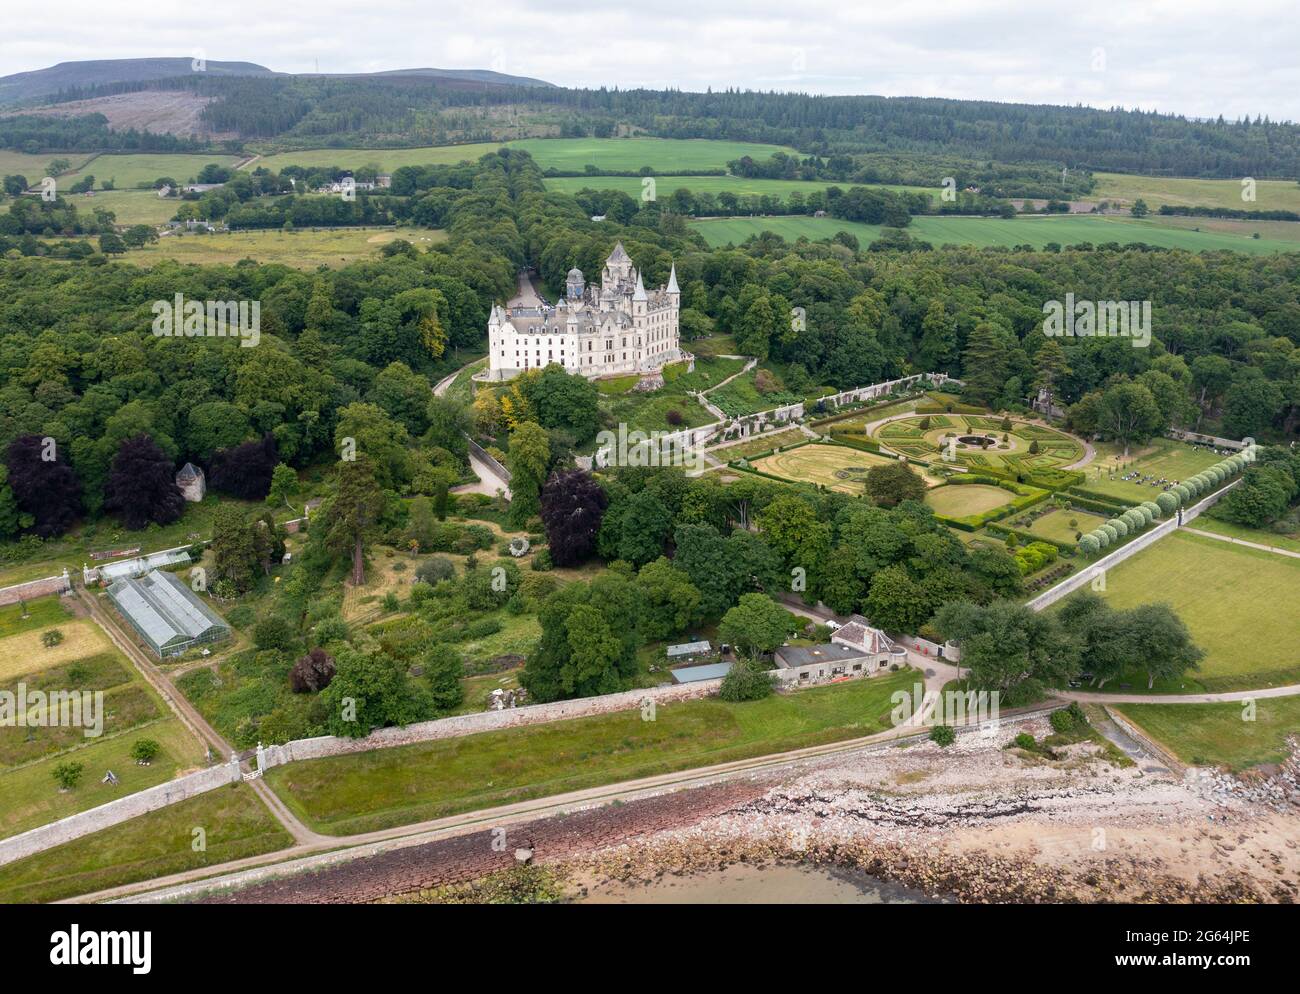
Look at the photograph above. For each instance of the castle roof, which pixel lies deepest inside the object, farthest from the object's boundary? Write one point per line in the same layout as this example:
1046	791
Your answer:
672	280
619	254
639	293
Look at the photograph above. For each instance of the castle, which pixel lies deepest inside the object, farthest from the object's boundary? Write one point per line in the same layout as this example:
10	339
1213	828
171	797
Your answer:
620	328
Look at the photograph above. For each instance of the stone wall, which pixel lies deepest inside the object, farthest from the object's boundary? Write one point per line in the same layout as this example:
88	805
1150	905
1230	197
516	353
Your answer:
35	588
484	721
115	812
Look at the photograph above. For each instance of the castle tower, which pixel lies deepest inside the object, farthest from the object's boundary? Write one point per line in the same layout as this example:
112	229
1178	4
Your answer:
618	267
674	294
574	284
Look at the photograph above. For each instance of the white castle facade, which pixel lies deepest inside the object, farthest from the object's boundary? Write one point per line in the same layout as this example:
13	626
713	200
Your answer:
619	328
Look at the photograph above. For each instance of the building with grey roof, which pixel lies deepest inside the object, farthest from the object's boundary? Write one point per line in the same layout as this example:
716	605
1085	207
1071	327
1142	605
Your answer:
166	614
617	329
856	649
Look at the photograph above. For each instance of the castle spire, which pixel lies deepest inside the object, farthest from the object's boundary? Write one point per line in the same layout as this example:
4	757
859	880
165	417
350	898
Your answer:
672	280
639	293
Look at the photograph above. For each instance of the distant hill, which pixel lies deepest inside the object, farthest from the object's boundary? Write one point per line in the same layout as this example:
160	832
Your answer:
41	85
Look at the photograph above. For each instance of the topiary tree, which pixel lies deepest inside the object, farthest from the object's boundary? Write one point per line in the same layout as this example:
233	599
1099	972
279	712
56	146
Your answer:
1135	520
1089	544
1120	525
1033	447
1184	493
1167	502
1152	510
1111	532
1103	538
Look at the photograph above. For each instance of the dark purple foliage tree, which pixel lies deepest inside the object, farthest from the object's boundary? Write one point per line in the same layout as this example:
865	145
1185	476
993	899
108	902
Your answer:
245	470
312	672
44	485
573	506
141	485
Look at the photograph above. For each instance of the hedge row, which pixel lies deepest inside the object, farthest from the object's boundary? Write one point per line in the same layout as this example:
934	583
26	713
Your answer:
1090	501
1068	548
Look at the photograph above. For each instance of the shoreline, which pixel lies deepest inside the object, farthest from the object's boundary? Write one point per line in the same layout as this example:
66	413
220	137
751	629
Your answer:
977	822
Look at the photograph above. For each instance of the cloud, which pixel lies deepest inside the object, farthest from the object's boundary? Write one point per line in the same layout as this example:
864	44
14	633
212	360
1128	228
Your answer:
1196	57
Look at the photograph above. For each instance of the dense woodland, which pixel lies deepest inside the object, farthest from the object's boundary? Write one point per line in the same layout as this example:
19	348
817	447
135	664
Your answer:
1032	142
96	412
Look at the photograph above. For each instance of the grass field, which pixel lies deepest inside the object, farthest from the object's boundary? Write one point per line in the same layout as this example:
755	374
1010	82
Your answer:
739	185
970	498
982	232
1217	734
1289	542
1237	602
1270	194
304	249
1163	458
664	155
566	154
835	466
131	171
386	159
34	167
388	787
235	825
131	206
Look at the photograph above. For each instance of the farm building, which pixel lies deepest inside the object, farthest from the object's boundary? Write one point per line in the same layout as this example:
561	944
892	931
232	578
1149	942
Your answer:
166	613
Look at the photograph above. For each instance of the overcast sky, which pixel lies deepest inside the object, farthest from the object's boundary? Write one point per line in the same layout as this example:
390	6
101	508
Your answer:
1196	57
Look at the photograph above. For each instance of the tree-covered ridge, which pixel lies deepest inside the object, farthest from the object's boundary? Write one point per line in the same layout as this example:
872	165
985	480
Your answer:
408	109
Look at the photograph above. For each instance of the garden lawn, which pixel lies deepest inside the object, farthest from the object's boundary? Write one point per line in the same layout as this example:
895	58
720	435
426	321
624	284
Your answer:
235	824
960	500
32	798
1055	525
1163	458
1217	734
1239	604
754	446
24	653
387	787
43	613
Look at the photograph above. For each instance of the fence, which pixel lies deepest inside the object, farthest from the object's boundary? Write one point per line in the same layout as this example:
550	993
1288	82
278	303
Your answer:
36	588
115	812
1073	583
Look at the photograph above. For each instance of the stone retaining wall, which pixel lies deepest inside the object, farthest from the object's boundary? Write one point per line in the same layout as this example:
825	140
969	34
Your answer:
484	721
115	812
